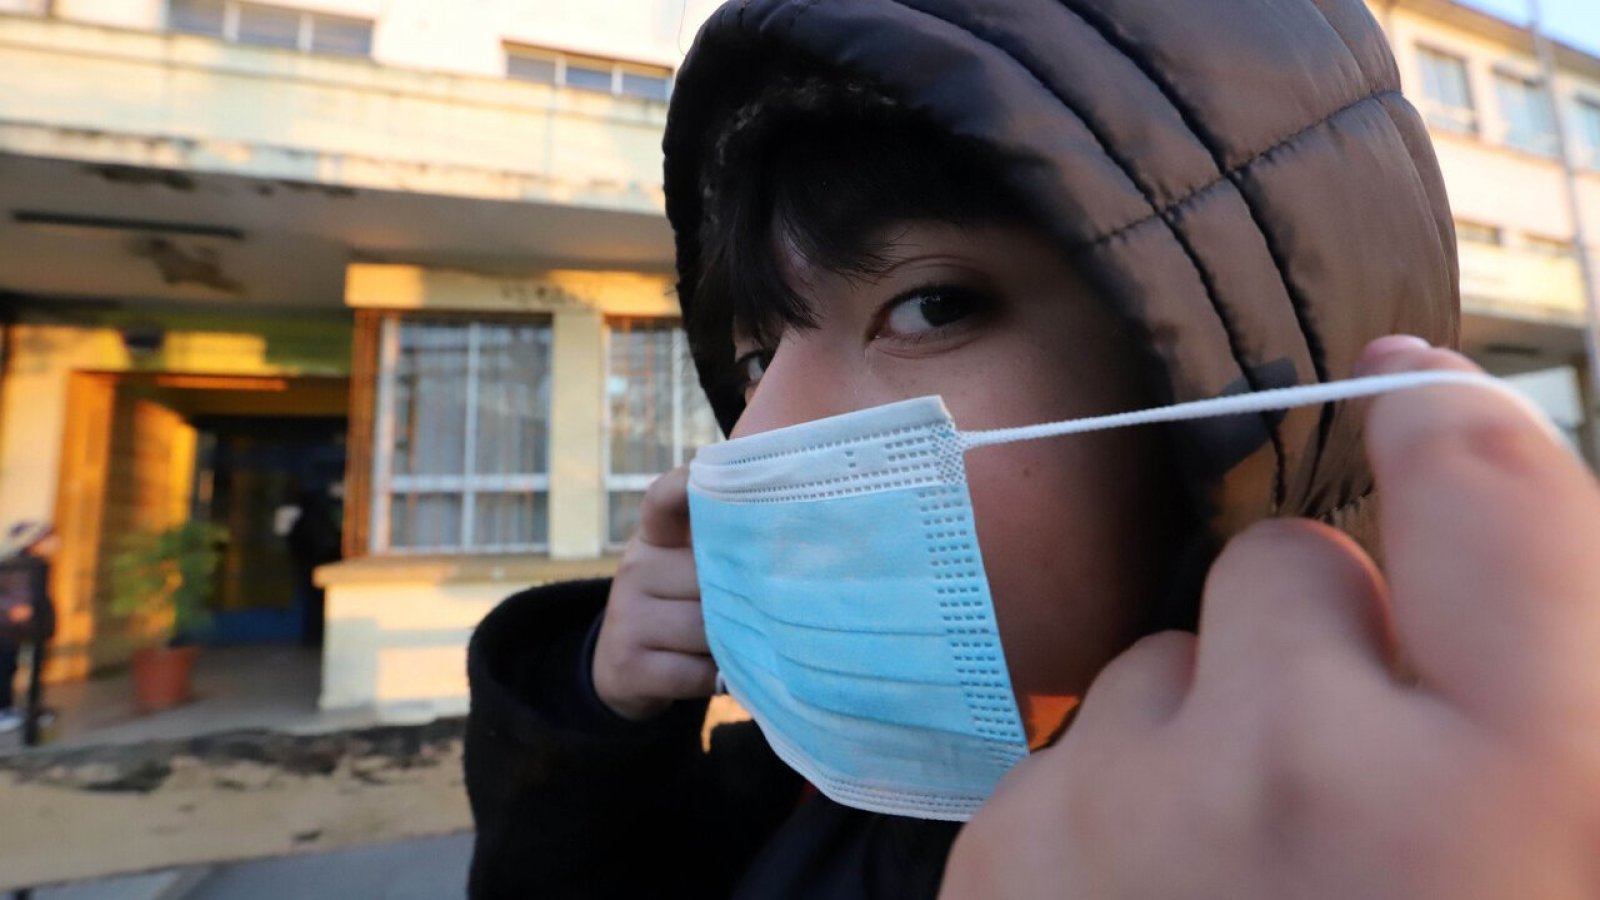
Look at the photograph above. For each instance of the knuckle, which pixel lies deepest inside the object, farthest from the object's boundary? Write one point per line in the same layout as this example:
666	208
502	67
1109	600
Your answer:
666	490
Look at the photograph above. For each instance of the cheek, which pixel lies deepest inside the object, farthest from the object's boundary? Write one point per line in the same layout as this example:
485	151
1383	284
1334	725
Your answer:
1059	526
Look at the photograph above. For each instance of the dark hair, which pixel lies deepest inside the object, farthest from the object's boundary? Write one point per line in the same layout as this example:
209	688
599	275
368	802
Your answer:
822	166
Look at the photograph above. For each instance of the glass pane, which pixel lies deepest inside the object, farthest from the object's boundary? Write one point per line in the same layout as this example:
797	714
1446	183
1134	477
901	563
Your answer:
511	520
639	397
531	68
1589	132
1444	78
1449	96
430	387
195	16
590	78
699	424
1475	233
346	37
650	87
269	26
425	521
622	515
1525	106
513	433
1549	246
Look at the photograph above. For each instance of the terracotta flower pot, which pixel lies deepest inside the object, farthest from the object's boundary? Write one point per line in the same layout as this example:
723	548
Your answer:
161	676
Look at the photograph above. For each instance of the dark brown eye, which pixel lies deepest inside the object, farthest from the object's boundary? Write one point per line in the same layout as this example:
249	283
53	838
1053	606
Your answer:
927	309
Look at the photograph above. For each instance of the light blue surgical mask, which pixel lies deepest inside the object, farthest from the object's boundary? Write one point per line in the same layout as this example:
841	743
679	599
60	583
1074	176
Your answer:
846	603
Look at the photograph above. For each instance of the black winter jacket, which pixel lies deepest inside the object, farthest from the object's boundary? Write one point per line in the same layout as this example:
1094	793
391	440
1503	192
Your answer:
571	801
1240	180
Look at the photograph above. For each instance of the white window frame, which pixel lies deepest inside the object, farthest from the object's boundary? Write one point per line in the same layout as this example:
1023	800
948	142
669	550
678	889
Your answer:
1588	149
385	484
1496	235
633	482
1549	246
1462	120
304	35
1552	143
617	68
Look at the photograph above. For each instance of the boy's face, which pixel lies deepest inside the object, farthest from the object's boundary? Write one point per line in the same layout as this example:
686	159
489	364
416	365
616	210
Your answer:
993	320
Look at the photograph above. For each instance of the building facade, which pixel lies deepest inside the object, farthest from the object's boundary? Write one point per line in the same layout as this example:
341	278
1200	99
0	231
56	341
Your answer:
1479	83
403	271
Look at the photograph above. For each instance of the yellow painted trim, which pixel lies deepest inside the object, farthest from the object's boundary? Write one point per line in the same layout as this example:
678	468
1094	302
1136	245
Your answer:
400	287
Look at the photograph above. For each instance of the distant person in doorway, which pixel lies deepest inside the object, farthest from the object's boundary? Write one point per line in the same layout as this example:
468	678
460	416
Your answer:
311	529
27	616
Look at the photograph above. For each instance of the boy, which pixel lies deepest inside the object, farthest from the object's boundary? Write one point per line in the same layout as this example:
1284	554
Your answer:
1036	210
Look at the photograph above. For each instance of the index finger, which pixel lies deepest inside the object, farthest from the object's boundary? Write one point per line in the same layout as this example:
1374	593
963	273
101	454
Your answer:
664	513
1491	533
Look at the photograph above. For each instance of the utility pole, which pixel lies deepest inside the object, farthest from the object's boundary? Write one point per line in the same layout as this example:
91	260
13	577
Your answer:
1580	244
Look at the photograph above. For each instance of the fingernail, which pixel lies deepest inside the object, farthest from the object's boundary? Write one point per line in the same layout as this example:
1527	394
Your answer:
1376	352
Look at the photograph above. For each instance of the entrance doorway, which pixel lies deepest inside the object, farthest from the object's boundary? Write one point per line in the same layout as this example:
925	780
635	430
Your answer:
258	455
275	483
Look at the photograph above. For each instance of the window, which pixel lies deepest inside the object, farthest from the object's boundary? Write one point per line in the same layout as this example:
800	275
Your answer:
656	414
1478	233
588	73
1547	246
649	84
461	454
1525	109
1588	131
272	26
1446	92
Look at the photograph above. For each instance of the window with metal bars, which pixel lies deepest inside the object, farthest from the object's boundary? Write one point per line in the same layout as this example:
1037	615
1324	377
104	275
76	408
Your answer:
272	26
608	76
1526	113
461	459
656	414
1446	91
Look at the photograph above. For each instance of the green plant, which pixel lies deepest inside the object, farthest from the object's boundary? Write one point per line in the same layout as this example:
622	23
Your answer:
168	576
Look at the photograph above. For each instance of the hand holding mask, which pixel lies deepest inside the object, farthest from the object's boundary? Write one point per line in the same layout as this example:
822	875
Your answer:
651	649
1432	730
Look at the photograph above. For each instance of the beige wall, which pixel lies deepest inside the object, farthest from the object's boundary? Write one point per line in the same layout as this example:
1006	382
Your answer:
397	627
430	34
193	103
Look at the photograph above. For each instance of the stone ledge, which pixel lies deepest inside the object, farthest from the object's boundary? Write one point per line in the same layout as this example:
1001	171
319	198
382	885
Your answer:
486	569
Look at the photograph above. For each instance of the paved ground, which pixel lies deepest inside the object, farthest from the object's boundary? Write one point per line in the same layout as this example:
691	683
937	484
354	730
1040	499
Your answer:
272	687
424	869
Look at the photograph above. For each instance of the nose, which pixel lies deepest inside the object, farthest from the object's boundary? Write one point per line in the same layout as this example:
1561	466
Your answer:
802	382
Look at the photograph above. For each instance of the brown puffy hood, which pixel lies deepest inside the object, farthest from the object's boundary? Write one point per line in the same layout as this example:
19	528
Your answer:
1240	179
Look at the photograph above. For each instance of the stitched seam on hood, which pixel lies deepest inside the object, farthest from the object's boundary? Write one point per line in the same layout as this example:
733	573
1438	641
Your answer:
1164	213
1319	351
1314	348
1227	177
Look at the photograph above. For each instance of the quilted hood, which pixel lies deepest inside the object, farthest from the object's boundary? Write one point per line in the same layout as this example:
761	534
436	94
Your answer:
1241	180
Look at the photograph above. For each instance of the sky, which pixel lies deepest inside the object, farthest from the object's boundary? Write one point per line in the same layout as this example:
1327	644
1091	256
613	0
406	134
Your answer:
1575	22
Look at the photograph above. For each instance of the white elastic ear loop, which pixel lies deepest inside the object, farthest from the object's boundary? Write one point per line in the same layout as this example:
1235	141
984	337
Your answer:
1259	401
